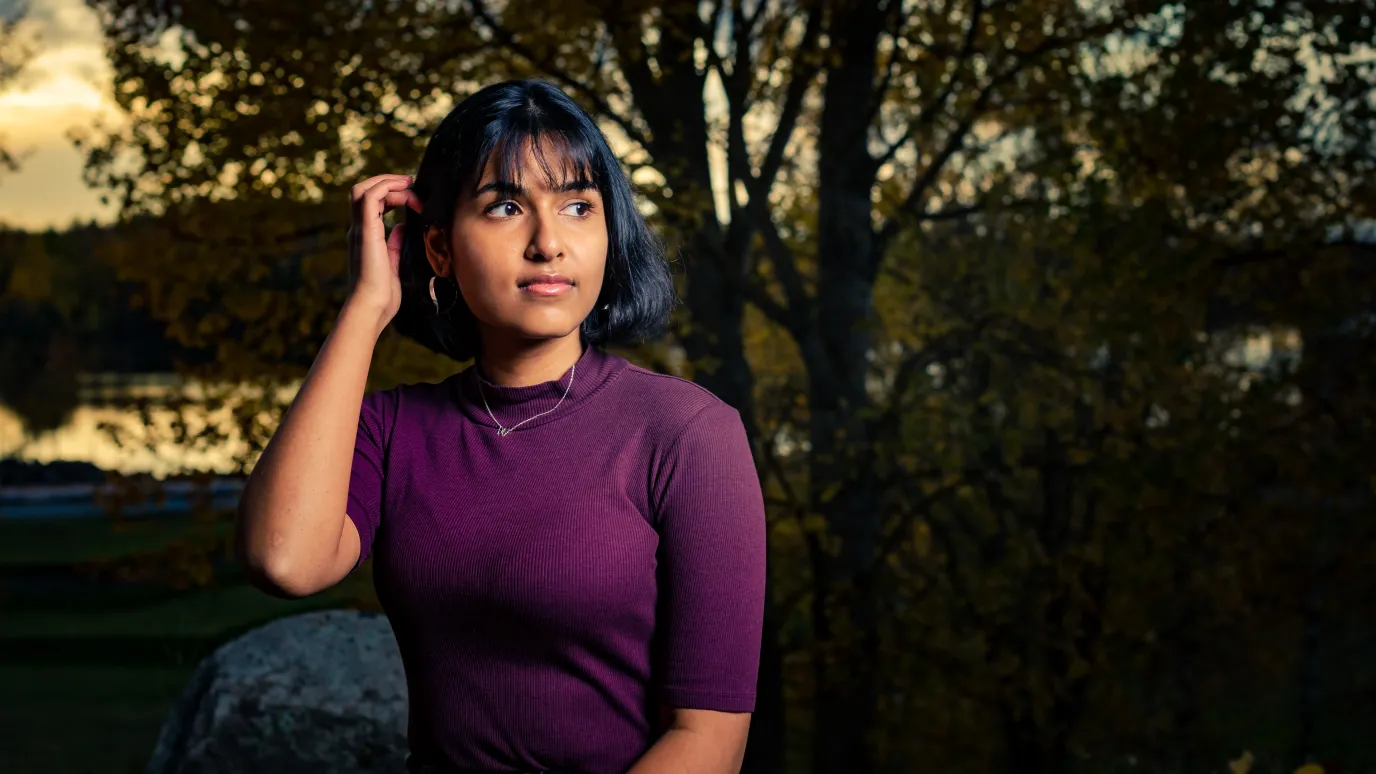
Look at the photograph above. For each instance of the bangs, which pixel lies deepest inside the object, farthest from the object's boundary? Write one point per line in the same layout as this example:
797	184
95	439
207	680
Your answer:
563	158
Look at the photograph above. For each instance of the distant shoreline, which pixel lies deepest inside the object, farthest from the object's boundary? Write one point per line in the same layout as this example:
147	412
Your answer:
42	501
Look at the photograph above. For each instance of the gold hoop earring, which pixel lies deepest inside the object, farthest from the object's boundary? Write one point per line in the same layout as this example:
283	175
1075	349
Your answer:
436	301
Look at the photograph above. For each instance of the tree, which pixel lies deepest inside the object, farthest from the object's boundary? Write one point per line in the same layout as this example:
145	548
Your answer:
885	208
63	313
17	42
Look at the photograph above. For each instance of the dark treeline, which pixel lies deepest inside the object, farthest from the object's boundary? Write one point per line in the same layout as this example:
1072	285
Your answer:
1051	323
64	312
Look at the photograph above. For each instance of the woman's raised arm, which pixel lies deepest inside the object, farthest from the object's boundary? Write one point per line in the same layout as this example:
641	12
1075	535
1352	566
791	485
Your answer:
292	534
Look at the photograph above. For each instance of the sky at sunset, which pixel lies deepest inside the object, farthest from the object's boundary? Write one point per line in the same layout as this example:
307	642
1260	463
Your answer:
64	87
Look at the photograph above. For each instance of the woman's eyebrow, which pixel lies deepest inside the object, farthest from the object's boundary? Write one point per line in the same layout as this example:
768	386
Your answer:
577	184
509	188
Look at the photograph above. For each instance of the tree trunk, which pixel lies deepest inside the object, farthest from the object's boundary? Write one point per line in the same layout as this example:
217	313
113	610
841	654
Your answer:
716	310
834	339
764	750
715	299
846	610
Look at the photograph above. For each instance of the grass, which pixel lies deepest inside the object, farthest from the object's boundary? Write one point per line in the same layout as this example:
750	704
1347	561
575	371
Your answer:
199	613
70	541
73	700
90	688
75	719
77	704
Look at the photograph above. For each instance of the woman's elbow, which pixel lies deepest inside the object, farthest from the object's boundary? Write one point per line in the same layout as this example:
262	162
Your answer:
279	583
272	569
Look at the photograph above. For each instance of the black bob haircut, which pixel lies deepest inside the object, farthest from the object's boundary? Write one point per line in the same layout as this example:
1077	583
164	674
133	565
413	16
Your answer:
504	119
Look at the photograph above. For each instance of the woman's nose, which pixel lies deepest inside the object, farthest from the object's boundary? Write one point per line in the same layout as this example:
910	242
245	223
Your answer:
545	242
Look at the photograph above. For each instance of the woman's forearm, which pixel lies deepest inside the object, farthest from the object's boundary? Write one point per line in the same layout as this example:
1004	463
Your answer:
705	743
291	513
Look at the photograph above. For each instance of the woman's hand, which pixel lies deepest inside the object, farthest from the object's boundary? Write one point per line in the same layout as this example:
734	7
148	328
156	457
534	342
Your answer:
374	256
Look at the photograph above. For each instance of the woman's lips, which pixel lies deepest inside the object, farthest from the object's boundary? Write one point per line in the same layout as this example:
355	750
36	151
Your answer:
547	288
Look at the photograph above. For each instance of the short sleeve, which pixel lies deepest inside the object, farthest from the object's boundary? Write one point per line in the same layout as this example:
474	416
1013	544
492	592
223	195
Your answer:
711	521
366	476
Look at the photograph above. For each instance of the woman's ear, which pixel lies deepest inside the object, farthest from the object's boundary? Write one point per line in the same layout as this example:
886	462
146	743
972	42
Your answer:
437	250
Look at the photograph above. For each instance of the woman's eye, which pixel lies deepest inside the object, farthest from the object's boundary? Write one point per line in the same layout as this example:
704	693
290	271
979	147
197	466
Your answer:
583	208
504	209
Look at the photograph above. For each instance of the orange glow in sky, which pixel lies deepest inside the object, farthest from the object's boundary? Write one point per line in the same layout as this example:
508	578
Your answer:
64	87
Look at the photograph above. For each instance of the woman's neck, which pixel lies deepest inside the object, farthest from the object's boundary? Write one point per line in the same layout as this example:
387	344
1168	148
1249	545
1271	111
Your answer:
513	362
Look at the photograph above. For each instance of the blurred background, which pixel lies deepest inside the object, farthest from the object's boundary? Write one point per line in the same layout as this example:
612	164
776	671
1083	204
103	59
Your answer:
1052	323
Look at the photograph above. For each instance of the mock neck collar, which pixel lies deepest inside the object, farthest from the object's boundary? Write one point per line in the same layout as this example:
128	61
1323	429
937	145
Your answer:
593	371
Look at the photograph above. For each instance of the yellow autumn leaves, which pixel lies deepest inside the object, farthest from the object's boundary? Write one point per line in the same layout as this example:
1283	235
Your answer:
1243	765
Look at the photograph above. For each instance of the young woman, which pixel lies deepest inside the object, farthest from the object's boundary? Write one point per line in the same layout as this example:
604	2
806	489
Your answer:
570	548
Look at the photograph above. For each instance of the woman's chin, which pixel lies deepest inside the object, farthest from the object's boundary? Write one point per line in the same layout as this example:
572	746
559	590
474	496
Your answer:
544	327
533	324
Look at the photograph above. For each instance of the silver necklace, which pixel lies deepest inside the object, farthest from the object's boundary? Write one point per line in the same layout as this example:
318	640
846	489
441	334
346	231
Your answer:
504	431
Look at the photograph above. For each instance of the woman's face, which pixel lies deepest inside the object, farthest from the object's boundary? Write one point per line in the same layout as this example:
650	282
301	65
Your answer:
529	259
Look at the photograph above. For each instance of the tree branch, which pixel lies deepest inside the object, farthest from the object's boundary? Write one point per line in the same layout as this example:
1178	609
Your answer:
941	348
772	309
783	260
736	86
957	211
931	111
955	140
759	218
895	23
635	63
894	539
772	463
804	71
588	92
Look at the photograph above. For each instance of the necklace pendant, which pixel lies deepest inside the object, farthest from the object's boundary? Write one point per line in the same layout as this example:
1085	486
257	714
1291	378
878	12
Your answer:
503	432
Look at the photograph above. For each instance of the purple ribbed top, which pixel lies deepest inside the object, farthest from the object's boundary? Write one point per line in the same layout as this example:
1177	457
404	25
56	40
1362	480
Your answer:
550	588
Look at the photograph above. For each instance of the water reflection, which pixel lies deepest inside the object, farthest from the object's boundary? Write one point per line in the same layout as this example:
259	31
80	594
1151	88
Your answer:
107	399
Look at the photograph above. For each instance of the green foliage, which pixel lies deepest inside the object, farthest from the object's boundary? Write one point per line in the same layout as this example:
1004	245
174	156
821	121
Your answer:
978	275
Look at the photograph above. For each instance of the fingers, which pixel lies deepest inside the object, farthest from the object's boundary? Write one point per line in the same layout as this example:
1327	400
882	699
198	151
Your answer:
395	238
402	198
378	194
357	192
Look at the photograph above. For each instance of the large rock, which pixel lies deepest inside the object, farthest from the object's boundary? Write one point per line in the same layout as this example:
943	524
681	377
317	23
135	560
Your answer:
320	691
